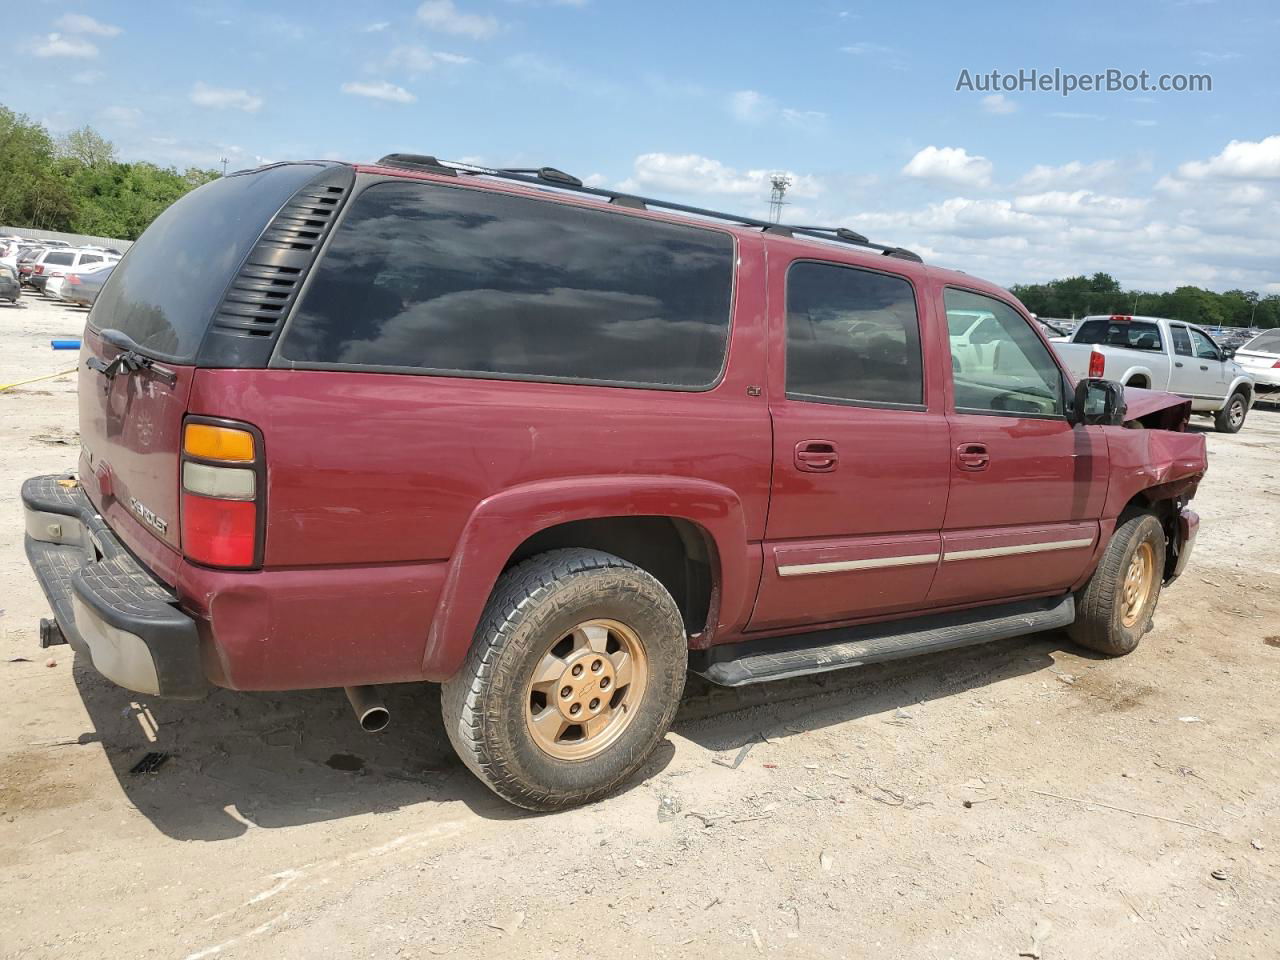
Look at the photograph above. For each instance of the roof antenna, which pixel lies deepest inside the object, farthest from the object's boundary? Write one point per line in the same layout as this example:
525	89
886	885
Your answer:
780	182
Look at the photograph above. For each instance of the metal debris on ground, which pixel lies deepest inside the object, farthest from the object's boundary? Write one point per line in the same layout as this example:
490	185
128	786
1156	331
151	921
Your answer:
737	760
150	763
1220	874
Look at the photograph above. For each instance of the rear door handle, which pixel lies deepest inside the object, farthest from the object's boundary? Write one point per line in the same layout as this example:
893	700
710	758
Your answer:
972	456
816	456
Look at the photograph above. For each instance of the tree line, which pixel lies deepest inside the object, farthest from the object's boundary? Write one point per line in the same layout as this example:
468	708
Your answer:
1075	297
77	184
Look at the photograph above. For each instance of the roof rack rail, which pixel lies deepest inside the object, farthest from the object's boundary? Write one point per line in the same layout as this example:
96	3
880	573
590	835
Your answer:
551	176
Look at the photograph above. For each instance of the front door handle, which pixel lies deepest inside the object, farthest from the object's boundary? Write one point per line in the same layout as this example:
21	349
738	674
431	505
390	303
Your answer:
816	456
1204	366
972	456
1177	363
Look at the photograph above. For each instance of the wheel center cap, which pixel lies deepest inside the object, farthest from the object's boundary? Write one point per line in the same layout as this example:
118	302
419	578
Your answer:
585	687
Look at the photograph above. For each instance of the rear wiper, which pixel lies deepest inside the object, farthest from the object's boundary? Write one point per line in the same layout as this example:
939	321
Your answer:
129	360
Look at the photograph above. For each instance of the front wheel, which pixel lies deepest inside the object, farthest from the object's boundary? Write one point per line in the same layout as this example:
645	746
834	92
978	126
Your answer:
1231	417
1114	609
573	678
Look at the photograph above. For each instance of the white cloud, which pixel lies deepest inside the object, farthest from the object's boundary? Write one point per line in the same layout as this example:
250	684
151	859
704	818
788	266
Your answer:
998	103
125	116
443	15
376	27
1042	176
88	77
1070	115
890	57
417	60
751	106
1080	203
81	23
696	174
1239	160
224	98
379	91
57	45
1207	57
949	165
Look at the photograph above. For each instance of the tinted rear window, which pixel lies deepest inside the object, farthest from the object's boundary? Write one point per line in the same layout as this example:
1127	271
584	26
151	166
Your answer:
1133	335
165	290
59	259
470	282
1268	342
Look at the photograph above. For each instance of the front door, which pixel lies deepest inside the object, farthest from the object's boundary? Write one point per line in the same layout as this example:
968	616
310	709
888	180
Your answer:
1209	370
860	468
1027	488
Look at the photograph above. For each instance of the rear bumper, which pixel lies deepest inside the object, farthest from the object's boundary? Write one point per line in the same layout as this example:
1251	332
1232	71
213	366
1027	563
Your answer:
1188	527
109	607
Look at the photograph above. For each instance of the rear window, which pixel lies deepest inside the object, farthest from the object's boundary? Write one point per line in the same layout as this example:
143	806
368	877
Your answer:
1131	334
165	290
59	259
1268	342
422	277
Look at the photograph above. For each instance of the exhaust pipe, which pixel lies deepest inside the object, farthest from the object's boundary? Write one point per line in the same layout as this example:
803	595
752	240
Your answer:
371	713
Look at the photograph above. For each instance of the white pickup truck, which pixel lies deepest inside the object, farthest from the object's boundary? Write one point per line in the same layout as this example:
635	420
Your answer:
1161	354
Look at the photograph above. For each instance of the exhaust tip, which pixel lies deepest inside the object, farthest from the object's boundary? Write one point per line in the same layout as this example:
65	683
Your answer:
375	720
371	713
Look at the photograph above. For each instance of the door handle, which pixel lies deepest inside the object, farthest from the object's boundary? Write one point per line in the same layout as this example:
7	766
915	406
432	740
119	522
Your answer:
816	456
1177	363
1204	366
972	456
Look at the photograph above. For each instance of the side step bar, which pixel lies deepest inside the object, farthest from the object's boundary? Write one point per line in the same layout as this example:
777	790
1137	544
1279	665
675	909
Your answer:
776	658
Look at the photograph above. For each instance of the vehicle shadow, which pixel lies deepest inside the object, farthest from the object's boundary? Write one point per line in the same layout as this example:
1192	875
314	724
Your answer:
238	761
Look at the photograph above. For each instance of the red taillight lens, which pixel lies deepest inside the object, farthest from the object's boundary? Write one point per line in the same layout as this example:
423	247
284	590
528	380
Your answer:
39	268
1276	365
73	279
223	486
221	533
1097	365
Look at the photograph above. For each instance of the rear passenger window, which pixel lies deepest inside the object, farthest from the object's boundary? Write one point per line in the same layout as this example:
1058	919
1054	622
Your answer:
59	259
852	336
421	277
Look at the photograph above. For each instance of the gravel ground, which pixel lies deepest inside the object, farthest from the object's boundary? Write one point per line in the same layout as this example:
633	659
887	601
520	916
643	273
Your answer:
1016	799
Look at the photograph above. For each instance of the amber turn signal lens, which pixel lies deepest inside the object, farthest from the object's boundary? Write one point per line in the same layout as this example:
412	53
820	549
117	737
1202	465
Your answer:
218	443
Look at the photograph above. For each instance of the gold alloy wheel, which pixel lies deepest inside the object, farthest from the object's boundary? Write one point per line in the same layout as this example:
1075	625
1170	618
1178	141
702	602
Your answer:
1138	583
585	689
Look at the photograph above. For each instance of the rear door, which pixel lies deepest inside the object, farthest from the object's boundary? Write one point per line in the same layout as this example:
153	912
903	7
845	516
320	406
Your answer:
1027	487
860	447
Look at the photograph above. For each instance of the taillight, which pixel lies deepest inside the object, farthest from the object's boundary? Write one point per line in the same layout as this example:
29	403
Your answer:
1097	365
73	279
1276	365
223	493
39	268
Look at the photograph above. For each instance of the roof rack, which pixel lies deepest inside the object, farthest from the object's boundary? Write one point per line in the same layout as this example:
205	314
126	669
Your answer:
550	176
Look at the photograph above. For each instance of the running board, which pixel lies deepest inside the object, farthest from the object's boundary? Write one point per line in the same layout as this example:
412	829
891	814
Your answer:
776	658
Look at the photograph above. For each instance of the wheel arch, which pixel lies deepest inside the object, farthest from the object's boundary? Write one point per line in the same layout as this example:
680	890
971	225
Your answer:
694	523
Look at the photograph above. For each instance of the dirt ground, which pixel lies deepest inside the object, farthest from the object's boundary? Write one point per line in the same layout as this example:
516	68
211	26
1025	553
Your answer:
1016	799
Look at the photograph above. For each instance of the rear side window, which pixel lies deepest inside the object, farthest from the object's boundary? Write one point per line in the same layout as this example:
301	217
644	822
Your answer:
852	336
477	283
166	289
1181	342
1131	334
59	259
1268	342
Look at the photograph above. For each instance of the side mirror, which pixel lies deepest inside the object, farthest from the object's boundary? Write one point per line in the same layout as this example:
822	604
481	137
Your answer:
1228	352
1099	403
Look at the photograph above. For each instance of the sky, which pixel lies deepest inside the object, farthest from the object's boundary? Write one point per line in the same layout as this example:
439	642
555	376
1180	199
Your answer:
700	102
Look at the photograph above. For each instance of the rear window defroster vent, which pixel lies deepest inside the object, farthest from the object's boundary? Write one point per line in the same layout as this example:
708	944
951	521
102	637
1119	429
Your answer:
260	296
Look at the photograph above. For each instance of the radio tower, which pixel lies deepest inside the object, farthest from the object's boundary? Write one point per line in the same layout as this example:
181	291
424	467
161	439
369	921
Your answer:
780	182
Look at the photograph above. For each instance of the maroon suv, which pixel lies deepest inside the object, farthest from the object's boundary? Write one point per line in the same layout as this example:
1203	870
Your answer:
552	446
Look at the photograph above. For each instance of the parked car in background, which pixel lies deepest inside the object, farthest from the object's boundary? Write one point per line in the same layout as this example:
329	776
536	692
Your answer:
10	288
82	289
1156	353
57	262
56	286
554	446
1260	357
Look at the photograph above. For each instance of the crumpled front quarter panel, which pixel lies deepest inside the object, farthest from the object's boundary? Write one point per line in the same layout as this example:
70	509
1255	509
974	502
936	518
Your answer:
1165	462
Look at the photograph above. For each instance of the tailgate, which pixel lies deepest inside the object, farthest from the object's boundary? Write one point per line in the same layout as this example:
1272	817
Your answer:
131	432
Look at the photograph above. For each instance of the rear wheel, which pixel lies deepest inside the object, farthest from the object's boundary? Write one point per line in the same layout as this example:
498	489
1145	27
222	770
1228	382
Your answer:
1114	609
1231	417
573	678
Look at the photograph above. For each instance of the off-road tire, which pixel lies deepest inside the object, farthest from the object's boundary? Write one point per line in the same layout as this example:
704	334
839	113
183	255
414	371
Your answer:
1100	606
1231	417
484	703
